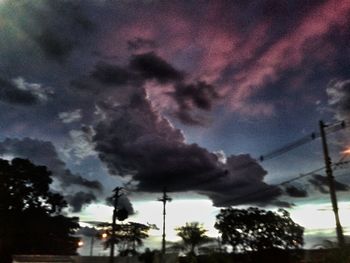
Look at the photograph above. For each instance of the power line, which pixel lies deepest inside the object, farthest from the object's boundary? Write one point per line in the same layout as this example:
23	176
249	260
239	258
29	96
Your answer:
275	186
289	147
275	153
336	126
340	165
260	191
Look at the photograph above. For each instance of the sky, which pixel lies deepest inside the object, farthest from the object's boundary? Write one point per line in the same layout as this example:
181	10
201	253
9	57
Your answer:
181	94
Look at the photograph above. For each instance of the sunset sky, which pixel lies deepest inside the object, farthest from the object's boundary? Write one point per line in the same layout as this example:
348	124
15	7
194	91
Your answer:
182	94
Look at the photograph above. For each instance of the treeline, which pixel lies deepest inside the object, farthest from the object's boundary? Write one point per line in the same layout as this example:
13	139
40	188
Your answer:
32	222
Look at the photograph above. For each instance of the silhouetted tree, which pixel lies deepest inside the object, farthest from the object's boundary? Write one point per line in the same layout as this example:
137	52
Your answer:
257	229
30	219
193	235
128	237
331	252
147	256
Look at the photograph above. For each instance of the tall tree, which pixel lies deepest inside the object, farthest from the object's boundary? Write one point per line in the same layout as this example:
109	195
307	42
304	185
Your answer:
257	229
128	237
30	219
193	235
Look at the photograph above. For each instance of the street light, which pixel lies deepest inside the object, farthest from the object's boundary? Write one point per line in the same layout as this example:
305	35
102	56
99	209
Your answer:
346	152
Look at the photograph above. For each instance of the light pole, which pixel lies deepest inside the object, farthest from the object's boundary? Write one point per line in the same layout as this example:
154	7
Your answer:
92	245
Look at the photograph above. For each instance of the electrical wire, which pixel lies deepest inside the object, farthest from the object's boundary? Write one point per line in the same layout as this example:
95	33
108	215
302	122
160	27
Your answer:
306	139
335	165
274	187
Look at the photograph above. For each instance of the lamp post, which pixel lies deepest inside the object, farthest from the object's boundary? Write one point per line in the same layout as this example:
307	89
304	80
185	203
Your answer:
92	241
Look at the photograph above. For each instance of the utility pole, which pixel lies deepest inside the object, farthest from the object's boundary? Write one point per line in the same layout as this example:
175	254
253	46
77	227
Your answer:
330	177
92	245
115	197
165	198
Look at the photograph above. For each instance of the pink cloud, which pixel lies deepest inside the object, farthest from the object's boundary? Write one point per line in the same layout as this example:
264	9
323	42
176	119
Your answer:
289	51
157	94
217	48
206	50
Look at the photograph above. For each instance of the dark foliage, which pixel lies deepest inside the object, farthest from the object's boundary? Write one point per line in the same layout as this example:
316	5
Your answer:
193	235
128	237
30	219
147	256
265	256
255	229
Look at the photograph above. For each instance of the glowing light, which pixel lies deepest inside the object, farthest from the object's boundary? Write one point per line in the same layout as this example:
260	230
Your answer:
347	151
80	243
104	235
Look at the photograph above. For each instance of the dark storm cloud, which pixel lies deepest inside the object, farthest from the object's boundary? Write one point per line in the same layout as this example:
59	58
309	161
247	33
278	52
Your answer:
235	193
10	93
134	139
151	66
79	199
142	67
123	203
140	43
51	29
294	191
188	97
242	184
112	74
321	184
59	28
53	46
186	117
34	37
230	50
103	78
199	95
79	180
44	153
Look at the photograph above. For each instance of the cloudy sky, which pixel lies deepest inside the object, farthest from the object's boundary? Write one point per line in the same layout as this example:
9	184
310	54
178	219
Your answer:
182	94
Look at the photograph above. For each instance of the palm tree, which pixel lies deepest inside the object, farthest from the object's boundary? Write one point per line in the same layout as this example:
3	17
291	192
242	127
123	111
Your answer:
128	237
135	233
193	235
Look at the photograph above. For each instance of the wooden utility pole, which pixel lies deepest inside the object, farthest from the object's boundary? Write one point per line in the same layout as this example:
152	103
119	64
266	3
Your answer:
115	197
330	177
165	198
92	245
